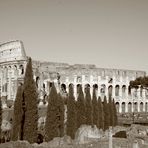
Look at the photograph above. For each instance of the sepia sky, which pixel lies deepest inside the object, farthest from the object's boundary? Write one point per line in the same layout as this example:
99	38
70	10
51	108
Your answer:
108	33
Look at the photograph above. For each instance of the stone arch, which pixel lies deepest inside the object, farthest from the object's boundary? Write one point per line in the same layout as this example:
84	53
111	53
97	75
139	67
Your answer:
21	67
129	90
117	87
95	87
117	106
78	86
135	107
37	81
87	86
102	90
123	90
146	107
123	107
129	107
63	88
141	107
141	89
110	90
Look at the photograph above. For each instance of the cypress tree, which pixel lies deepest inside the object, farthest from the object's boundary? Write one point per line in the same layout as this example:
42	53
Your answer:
95	109
61	115
111	114
106	114
17	115
31	108
88	105
52	118
71	114
115	118
100	114
0	118
81	118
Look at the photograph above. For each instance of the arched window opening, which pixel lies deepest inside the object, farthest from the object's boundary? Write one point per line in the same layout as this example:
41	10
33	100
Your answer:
63	88
123	90
135	107
141	107
117	90
129	107
37	81
117	106
123	107
129	90
102	91
22	69
110	88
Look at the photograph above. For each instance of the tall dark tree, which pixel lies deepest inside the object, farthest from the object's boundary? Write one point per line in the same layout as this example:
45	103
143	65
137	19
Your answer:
115	117
61	115
88	105
0	118
95	109
111	115
81	118
52	118
106	114
100	114
17	115
71	114
31	105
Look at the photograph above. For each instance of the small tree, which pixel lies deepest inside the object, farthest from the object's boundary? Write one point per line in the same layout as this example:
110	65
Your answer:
71	114
100	114
52	118
95	109
81	118
61	115
106	114
115	117
111	113
17	115
88	105
31	105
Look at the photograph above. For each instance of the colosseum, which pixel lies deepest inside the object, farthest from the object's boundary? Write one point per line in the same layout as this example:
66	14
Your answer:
114	82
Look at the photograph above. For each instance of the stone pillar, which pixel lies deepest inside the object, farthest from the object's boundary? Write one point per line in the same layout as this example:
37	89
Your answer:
126	107
106	92
143	106
120	107
138	93
120	91
99	88
91	90
126	91
91	79
138	104
75	86
9	84
143	94
113	91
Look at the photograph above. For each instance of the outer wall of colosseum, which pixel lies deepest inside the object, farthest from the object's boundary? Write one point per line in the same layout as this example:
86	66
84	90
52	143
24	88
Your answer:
108	82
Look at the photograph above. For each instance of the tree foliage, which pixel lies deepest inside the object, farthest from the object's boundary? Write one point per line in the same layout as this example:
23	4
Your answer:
143	81
71	114
115	117
17	115
81	118
111	115
88	106
0	117
31	105
95	109
100	114
55	115
106	114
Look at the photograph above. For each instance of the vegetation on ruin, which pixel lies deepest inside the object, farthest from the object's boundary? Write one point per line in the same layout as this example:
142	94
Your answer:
30	109
111	115
81	118
71	114
115	118
17	115
142	81
88	105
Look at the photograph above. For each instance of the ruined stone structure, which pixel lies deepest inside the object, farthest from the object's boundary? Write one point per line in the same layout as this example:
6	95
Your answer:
108	82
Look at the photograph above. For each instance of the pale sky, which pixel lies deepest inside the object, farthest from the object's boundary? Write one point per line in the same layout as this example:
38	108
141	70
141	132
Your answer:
107	33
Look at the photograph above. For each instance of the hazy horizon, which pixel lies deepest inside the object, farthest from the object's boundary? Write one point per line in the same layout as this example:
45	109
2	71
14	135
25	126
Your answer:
106	33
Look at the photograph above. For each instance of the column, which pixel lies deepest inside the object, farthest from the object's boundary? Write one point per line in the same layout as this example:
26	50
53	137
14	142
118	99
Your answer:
99	94
120	107
138	93
106	91
91	90
126	107
138	105
143	106
126	91
9	88
113	91
91	79
143	94
120	91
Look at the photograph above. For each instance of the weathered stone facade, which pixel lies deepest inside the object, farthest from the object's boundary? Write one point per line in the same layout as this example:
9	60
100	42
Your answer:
114	82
